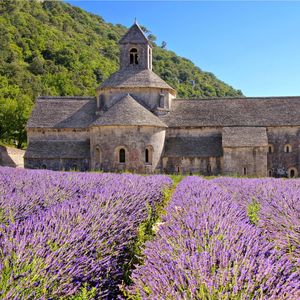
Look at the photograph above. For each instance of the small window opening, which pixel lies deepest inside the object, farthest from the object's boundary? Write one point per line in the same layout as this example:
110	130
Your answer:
44	166
122	156
147	155
270	173
133	56
245	171
270	149
287	149
292	173
209	169
74	167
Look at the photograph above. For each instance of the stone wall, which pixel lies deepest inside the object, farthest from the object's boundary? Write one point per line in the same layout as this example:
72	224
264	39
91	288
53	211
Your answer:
193	132
280	163
57	134
144	56
11	157
150	97
106	141
58	164
192	165
249	161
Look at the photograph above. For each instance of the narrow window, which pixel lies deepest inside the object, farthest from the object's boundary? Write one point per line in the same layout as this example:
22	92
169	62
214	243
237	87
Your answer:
287	148
292	173
245	171
270	149
209	169
74	167
270	173
147	156
133	54
122	156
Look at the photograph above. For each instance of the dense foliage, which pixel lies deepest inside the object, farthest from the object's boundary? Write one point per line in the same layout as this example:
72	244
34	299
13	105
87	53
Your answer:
69	235
225	239
53	48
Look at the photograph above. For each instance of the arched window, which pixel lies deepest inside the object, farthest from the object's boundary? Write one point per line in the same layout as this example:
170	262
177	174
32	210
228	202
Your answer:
208	169
133	56
287	148
147	155
122	156
44	166
270	173
244	171
270	149
292	172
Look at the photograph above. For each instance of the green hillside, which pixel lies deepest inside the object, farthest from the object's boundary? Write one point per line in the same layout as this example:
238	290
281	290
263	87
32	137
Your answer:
53	48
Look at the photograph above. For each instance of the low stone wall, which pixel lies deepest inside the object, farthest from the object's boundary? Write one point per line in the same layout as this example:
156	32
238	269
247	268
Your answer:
11	157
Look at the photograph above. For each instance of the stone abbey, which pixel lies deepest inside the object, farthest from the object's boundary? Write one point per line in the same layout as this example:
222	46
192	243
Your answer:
136	123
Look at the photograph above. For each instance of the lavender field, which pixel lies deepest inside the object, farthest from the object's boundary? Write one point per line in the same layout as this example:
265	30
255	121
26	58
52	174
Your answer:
74	236
225	239
67	235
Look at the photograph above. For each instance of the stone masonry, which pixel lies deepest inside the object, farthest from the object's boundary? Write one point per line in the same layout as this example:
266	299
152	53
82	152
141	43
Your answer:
136	123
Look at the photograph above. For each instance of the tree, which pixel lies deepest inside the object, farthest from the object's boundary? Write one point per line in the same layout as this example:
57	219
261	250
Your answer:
163	45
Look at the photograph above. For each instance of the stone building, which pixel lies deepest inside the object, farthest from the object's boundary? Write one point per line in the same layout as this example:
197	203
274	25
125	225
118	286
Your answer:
136	123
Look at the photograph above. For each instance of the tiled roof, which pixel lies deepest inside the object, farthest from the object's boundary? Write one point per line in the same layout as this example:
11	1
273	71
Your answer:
244	137
133	77
134	35
58	149
63	112
204	146
223	112
127	111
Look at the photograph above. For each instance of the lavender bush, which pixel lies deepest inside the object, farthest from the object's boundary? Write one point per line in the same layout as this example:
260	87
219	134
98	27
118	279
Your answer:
277	212
213	244
66	235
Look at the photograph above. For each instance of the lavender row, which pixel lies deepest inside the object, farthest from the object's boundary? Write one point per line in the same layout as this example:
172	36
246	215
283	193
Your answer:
208	249
277	204
77	247
24	192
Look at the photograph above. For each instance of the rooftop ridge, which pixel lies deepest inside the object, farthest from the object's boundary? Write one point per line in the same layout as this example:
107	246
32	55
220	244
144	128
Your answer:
66	98
237	98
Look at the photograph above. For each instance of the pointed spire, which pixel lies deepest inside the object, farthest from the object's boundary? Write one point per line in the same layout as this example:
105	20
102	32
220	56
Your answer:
134	35
135	21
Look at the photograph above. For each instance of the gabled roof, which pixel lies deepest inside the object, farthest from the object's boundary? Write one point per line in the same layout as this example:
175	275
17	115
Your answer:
127	111
58	149
63	112
203	146
225	112
244	137
134	35
130	78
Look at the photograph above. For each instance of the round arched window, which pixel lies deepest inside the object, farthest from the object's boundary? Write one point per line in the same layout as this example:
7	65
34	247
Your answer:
122	156
133	54
270	149
287	148
148	155
292	172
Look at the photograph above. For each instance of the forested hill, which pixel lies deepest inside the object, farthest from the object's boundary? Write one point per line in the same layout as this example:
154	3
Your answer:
53	48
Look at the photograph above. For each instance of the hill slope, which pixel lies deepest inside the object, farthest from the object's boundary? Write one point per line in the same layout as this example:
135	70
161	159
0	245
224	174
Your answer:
53	48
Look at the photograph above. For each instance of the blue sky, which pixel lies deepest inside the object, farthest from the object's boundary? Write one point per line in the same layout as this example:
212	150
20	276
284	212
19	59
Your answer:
253	46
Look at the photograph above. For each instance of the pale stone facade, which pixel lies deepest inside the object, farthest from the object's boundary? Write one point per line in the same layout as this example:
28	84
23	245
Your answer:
135	123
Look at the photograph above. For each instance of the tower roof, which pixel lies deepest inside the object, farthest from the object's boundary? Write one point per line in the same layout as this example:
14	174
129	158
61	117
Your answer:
128	112
134	35
131	78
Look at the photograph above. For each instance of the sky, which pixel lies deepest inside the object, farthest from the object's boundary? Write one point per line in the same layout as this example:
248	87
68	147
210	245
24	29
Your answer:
253	46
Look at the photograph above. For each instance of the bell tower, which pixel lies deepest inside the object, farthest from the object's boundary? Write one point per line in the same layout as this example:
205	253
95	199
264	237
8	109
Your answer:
136	50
